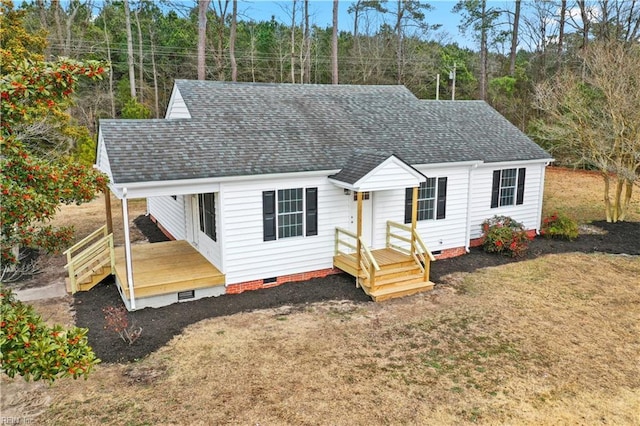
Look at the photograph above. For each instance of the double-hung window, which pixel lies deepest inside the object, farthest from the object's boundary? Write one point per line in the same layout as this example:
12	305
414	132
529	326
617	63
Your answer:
508	187
207	210
290	213
432	200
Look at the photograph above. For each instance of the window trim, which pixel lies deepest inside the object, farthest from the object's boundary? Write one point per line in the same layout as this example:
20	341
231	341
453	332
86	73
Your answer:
271	214
497	187
202	210
439	199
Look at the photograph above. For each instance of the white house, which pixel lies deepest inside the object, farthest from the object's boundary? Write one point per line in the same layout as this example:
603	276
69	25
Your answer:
279	182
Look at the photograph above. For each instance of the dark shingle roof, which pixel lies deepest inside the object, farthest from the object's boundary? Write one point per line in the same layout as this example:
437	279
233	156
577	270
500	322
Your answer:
251	128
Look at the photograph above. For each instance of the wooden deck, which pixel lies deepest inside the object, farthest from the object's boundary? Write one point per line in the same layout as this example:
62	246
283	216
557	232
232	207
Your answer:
166	267
399	275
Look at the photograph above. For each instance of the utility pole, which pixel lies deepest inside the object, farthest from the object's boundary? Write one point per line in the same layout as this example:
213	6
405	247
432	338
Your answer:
452	76
437	87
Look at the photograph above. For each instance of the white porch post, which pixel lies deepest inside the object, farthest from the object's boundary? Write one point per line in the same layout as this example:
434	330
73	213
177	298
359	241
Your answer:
127	248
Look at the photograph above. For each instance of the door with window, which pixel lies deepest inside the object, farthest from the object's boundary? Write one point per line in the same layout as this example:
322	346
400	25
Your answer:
205	229
367	216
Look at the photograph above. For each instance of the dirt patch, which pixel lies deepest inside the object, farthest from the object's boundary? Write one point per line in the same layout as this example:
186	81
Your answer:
162	324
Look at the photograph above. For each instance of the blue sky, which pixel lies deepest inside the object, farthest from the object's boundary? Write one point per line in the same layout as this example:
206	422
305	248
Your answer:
321	15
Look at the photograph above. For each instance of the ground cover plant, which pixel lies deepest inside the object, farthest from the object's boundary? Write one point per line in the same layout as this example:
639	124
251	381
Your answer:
549	338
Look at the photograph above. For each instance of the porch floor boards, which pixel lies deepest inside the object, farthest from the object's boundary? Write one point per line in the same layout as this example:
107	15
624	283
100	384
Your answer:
166	267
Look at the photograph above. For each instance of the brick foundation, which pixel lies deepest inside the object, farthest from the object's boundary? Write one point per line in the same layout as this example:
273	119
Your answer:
162	228
258	284
448	253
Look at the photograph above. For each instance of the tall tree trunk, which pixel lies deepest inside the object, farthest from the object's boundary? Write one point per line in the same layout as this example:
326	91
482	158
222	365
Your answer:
514	39
155	71
44	24
334	45
232	41
307	44
73	11
140	57
563	17
132	71
483	52
584	15
399	55
55	5
203	6
112	98
293	42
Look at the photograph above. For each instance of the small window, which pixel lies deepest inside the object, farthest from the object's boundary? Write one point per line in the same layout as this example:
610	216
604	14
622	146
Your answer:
508	187
432	200
207	210
365	196
290	213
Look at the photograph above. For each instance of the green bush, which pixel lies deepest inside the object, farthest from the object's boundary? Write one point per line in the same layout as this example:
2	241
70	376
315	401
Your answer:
35	351
503	235
559	225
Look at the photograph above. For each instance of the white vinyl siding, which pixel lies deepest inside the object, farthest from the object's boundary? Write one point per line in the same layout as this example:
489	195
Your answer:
437	234
527	213
177	108
247	257
169	213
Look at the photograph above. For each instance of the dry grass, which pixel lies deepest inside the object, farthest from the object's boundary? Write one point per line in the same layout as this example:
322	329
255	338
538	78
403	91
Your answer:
553	340
88	217
580	194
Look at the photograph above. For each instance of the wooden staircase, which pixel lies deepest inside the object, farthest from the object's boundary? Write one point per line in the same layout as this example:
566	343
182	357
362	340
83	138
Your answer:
400	269
90	261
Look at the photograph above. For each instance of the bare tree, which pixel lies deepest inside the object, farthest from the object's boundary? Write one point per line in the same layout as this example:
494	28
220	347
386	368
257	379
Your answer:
140	56
334	45
514	38
132	72
293	42
561	20
203	6
595	118
232	41
306	65
112	98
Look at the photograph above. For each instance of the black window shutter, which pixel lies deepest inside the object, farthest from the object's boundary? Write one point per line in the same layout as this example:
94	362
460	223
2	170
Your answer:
269	215
441	210
520	196
311	214
408	204
212	209
495	189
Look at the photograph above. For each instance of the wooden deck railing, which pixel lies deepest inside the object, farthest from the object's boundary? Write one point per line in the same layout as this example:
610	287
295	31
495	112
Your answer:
406	240
89	255
366	262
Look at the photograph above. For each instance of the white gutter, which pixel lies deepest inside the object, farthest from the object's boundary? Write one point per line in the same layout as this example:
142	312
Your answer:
127	248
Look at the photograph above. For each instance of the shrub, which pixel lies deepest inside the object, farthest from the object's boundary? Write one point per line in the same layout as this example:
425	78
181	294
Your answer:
559	225
504	235
35	351
117	320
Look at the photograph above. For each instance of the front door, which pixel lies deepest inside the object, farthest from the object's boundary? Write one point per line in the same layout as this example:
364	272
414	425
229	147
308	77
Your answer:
367	216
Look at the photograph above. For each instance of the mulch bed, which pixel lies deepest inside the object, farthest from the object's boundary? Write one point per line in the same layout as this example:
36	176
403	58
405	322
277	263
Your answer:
162	324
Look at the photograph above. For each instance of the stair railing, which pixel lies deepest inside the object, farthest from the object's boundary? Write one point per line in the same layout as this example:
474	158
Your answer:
408	241
87	256
368	263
